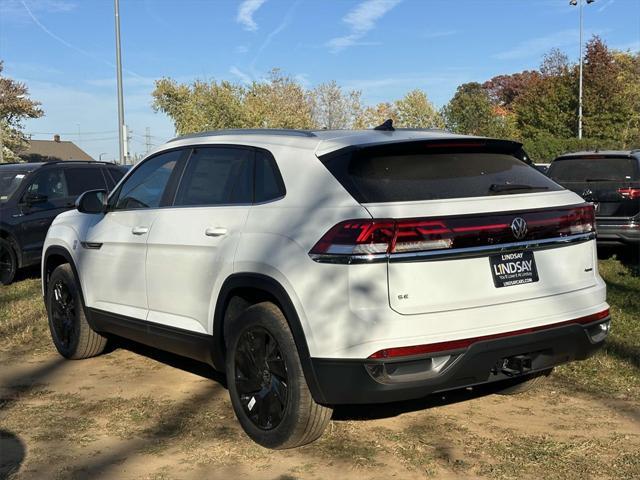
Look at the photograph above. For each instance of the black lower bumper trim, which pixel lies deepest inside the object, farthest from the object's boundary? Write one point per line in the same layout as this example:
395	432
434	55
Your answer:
350	381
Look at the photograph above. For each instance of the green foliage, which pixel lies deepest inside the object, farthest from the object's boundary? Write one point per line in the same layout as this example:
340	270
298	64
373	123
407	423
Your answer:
415	110
471	112
15	107
331	108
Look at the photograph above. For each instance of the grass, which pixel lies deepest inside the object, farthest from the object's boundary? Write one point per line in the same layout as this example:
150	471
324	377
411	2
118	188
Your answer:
23	320
615	370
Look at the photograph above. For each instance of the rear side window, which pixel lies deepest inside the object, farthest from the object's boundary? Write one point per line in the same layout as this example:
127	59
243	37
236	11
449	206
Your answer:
268	182
217	176
401	173
80	180
594	169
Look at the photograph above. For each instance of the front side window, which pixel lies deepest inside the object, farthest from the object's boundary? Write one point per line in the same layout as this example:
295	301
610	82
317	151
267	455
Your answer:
50	184
217	176
83	179
146	185
10	180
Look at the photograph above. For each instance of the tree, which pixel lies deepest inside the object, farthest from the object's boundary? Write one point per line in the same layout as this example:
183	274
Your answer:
415	110
549	104
373	116
604	105
15	107
200	106
471	112
331	108
629	74
504	90
280	102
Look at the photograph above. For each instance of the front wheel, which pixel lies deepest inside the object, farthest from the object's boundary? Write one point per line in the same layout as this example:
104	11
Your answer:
8	262
266	384
70	331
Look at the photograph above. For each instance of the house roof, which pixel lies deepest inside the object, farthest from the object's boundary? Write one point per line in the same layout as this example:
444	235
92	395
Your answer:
54	150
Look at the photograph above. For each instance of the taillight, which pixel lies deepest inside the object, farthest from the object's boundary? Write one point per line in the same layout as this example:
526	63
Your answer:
378	238
631	193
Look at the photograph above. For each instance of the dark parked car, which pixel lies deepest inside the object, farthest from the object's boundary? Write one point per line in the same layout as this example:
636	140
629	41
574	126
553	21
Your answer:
31	195
541	167
611	181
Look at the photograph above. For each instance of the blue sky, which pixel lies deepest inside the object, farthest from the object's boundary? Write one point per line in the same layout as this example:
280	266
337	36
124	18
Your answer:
64	50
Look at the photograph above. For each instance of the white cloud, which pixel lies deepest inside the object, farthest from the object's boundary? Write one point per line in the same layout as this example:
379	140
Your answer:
241	49
246	11
361	19
606	5
244	78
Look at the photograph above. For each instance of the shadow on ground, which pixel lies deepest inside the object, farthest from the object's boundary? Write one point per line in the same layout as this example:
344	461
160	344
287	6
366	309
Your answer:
12	453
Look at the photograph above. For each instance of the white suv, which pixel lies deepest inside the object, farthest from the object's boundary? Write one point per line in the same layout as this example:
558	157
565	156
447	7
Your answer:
332	267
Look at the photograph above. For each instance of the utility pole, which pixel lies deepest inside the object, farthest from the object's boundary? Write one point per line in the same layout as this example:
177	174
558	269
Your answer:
579	3
147	139
122	128
126	136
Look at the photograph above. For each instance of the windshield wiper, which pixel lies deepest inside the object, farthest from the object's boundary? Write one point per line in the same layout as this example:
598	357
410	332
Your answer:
506	187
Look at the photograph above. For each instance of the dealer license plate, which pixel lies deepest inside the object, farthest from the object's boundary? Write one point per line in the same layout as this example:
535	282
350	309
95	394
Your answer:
515	268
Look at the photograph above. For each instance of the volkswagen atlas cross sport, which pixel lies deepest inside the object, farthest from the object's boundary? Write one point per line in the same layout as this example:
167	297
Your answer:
319	268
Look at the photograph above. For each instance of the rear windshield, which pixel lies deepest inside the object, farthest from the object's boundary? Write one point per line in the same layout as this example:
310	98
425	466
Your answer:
593	169
400	175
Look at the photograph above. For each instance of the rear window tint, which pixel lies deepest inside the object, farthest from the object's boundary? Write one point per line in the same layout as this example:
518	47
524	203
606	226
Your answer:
587	169
373	177
268	182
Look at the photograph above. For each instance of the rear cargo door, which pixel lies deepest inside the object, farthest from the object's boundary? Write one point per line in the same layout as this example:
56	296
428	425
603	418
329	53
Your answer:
604	181
453	207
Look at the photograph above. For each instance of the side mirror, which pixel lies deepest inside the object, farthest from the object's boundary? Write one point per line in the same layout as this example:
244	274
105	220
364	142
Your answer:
93	201
33	198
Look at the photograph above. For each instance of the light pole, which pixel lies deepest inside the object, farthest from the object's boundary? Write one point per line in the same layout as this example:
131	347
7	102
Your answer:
121	125
100	156
579	3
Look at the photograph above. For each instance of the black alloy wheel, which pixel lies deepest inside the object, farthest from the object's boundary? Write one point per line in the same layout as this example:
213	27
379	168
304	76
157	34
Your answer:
7	263
261	378
63	314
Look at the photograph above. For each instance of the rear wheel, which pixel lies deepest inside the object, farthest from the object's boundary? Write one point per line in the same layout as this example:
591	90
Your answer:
517	386
70	331
266	384
8	262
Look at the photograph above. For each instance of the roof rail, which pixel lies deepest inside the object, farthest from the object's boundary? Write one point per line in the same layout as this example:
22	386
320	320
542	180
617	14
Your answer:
101	162
247	131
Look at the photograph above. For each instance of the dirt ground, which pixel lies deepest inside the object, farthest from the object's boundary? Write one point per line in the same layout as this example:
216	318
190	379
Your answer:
139	413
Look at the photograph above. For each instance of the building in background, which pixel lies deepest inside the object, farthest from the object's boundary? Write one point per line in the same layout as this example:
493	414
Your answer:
56	149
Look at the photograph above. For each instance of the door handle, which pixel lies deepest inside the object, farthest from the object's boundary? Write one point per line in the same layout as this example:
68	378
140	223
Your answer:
215	231
140	230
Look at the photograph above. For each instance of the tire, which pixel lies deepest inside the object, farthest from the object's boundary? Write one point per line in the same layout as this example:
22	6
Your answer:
70	331
8	262
524	384
266	384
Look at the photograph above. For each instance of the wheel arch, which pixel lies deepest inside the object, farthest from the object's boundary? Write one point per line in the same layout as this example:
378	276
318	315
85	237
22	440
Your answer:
53	257
241	290
6	234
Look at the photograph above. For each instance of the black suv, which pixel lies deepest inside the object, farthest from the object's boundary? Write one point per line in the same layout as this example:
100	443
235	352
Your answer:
32	194
611	181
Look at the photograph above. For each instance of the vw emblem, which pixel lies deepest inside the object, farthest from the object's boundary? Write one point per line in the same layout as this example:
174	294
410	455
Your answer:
587	193
519	228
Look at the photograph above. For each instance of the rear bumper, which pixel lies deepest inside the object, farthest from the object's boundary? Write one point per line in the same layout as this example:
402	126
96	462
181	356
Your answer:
617	232
386	380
